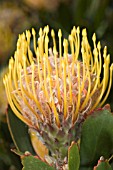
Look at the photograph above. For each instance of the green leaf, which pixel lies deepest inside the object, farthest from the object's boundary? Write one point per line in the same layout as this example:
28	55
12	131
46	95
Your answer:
103	166
19	133
96	138
32	163
73	157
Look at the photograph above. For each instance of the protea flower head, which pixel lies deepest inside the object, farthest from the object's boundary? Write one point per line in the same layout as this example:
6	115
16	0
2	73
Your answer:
53	88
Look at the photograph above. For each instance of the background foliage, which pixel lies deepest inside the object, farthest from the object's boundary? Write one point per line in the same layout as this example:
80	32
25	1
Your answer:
17	16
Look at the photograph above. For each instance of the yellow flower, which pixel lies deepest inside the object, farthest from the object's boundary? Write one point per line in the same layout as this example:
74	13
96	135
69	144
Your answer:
52	88
54	81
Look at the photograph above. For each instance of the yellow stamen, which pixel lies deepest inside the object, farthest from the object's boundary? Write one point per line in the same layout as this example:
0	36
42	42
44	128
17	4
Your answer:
45	77
88	91
53	104
14	96
24	97
65	43
17	113
40	74
34	39
103	85
72	46
57	76
79	93
34	91
109	88
65	97
60	50
78	42
54	41
30	55
60	43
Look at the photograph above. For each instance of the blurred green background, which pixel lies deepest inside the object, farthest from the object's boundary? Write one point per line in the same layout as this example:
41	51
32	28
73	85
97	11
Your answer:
18	15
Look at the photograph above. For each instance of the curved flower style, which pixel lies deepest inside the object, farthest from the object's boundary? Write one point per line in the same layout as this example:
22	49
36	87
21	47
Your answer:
51	90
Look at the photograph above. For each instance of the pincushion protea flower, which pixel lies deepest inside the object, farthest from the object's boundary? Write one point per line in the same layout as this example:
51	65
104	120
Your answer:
52	90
